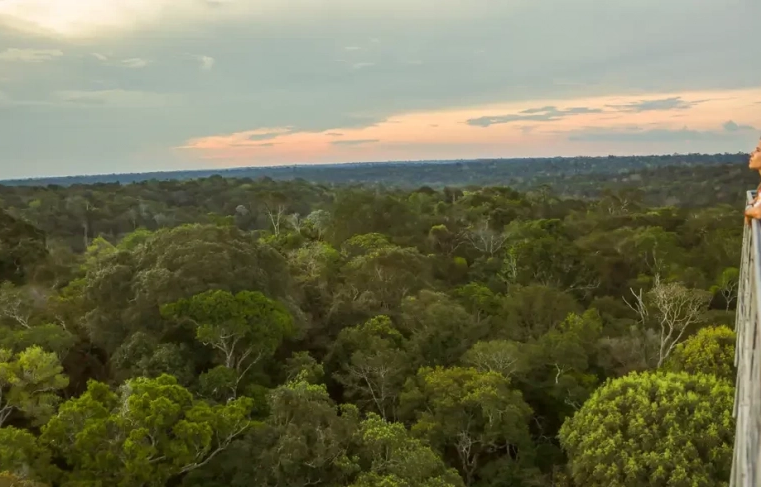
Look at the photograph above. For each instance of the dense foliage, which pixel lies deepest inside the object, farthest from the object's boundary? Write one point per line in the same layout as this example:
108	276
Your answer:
231	332
653	429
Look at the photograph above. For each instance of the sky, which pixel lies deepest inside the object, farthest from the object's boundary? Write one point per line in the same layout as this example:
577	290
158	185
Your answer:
104	86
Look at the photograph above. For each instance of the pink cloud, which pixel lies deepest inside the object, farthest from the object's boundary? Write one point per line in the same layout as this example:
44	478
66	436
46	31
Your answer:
533	128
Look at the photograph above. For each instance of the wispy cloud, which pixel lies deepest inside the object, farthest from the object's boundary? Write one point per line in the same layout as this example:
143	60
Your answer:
134	63
543	114
29	55
207	62
352	48
671	103
362	65
270	134
248	145
334	134
114	98
552	113
656	135
355	142
110	60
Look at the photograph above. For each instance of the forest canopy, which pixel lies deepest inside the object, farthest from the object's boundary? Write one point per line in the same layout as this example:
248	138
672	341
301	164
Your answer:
236	332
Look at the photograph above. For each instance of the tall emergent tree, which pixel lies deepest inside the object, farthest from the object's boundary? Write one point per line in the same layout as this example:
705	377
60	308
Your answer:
244	328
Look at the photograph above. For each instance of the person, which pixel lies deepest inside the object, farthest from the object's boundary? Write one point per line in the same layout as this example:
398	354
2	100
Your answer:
754	208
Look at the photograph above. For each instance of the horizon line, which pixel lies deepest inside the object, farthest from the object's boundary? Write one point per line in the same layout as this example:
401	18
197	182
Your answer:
328	164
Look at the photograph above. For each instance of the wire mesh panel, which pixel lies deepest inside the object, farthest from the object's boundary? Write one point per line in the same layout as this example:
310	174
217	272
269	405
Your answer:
747	410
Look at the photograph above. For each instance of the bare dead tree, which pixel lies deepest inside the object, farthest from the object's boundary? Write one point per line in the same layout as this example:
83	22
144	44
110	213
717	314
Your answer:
729	292
486	240
674	307
444	240
498	356
15	305
320	221
275	213
295	221
728	284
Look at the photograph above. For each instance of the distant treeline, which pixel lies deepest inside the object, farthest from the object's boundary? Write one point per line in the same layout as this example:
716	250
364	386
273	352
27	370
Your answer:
692	180
518	173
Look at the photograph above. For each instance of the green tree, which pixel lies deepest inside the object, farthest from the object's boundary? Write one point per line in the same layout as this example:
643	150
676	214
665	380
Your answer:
560	373
479	300
8	479
126	293
477	415
440	330
531	311
396	459
654	429
147	433
22	457
539	251
24	312
315	433
372	365
141	355
444	241
96	253
710	351
302	364
134	239
316	269
22	248
379	275
245	328
29	381
655	247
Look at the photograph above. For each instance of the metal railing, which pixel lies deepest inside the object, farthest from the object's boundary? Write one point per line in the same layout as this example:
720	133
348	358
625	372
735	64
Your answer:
747	410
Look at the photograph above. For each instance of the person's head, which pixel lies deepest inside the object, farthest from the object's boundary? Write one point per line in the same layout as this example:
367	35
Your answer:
755	158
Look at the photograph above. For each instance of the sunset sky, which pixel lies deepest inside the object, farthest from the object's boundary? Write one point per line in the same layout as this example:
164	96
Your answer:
104	86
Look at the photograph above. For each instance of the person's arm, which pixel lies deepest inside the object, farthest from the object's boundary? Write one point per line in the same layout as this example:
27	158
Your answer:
753	210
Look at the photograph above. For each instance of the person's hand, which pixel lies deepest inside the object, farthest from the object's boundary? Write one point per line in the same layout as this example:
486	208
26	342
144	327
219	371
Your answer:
752	212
